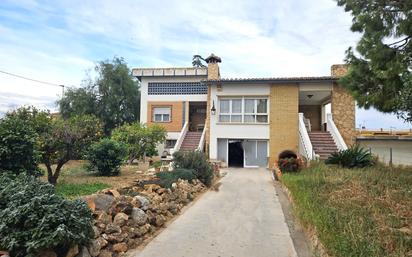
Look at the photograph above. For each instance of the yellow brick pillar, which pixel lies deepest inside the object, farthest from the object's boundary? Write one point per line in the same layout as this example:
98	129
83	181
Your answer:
284	103
213	73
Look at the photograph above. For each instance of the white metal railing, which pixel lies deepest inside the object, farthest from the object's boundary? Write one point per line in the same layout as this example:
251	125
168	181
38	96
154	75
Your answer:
337	137
181	138
202	141
305	145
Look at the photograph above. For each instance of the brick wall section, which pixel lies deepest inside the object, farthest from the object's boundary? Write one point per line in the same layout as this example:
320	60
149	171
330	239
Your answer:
343	107
284	100
175	125
213	73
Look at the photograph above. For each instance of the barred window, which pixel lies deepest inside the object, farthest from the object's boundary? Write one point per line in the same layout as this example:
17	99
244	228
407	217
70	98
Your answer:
177	88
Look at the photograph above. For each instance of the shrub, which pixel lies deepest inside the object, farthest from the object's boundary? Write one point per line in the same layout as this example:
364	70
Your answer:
18	152
106	156
354	157
196	161
140	140
34	218
167	178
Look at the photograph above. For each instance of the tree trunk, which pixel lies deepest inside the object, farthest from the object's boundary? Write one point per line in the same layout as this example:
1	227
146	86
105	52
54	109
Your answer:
53	176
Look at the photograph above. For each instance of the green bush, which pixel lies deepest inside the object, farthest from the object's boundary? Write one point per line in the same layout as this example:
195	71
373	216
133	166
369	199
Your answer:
354	157
167	178
34	218
196	161
18	151
106	156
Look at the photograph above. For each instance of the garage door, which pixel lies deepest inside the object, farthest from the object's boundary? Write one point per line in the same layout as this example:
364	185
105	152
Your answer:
255	153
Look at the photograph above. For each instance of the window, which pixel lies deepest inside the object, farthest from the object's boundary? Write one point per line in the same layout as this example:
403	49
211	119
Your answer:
177	88
243	110
161	114
170	143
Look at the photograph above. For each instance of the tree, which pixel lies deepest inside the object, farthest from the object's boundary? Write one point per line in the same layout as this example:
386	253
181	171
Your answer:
139	139
18	151
78	101
67	140
380	69
113	97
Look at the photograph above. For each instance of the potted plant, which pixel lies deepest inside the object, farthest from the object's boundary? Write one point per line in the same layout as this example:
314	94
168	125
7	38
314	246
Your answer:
157	165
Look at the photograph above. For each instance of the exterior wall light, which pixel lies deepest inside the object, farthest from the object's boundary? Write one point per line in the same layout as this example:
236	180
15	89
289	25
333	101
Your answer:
213	109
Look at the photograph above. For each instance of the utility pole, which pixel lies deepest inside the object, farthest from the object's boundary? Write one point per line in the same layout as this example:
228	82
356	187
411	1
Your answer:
62	90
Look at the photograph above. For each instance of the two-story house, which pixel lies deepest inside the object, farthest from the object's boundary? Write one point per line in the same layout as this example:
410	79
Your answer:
247	122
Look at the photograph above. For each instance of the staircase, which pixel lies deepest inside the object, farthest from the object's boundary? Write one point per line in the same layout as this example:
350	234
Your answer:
191	141
323	144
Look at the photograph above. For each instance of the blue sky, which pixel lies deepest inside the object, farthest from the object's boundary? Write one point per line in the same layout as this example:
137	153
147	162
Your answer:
60	41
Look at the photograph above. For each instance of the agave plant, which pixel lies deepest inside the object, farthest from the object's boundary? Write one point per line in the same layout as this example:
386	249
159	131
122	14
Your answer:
354	157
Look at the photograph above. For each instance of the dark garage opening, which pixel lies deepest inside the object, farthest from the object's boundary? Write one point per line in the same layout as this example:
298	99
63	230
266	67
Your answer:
236	154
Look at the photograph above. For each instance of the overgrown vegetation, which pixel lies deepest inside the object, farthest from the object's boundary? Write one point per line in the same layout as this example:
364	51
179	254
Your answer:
354	157
73	190
113	96
34	218
106	156
18	146
196	161
167	178
140	140
355	212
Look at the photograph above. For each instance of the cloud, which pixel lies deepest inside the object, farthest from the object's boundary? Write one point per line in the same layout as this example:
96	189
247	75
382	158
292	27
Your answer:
57	41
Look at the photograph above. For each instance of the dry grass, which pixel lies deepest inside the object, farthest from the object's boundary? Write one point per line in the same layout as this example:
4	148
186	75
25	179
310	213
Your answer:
75	172
359	212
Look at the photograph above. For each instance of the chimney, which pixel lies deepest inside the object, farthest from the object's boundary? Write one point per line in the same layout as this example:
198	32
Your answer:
339	70
213	72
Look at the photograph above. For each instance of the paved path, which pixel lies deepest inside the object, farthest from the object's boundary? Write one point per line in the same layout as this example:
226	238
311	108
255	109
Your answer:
243	219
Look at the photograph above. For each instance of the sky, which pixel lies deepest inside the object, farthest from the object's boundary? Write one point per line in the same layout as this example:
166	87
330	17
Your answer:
61	41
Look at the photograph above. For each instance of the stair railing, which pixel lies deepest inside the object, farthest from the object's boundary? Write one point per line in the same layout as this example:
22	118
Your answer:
202	141
337	137
181	137
305	145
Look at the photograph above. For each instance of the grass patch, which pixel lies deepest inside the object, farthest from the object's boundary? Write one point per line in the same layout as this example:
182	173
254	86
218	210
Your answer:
356	212
72	190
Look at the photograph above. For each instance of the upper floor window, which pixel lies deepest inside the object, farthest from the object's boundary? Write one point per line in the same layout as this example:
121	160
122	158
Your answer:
161	114
243	110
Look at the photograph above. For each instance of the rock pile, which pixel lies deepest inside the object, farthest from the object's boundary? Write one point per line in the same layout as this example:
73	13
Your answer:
124	218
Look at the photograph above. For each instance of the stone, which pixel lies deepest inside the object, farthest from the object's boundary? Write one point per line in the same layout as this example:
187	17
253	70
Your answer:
105	253
47	253
120	219
161	191
73	251
120	247
94	247
139	216
160	220
121	206
144	202
104	218
116	238
103	242
90	203
112	228
101	201
96	232
114	192
83	252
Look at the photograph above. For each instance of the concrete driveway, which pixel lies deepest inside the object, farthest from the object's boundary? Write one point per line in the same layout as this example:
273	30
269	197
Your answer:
243	219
